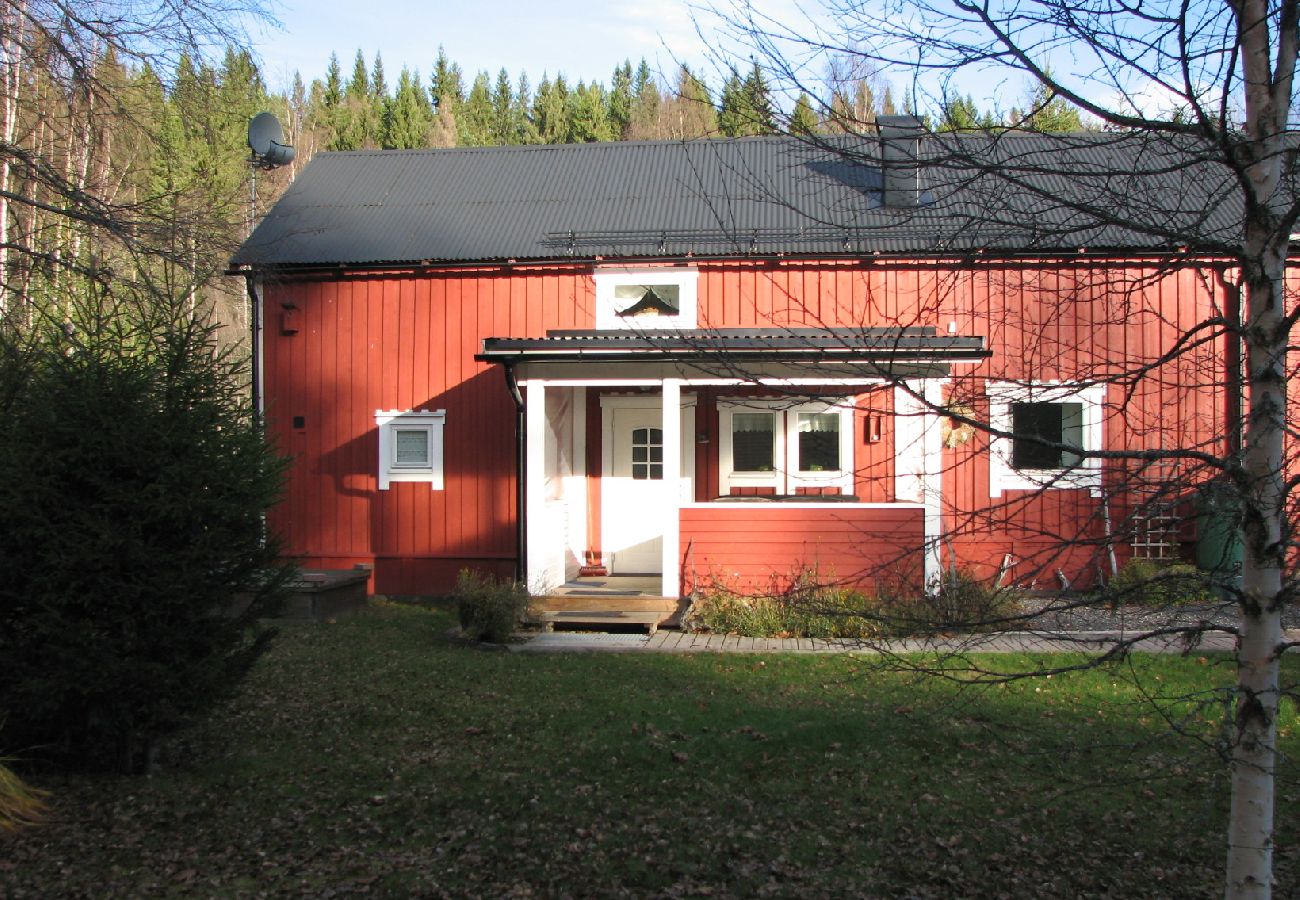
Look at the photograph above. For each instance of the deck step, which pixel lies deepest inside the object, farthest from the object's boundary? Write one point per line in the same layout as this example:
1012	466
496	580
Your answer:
603	619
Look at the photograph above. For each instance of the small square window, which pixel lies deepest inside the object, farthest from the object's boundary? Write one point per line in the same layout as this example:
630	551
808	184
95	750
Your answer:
1043	435
1036	427
410	446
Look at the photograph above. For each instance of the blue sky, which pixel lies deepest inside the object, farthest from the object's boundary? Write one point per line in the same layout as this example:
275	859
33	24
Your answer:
584	39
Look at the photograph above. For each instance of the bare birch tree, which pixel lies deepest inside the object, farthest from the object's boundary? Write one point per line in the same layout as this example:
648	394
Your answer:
1213	80
66	217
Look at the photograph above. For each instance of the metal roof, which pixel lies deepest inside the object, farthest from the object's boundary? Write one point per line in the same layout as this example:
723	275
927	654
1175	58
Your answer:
861	345
1012	193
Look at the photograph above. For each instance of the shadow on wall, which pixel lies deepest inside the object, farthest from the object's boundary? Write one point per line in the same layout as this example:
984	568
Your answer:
417	538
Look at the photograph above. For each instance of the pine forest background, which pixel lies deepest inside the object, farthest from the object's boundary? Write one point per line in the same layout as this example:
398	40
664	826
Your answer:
132	181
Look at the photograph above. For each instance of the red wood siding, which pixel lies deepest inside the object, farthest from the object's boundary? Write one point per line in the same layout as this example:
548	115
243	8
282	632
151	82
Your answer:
403	340
760	547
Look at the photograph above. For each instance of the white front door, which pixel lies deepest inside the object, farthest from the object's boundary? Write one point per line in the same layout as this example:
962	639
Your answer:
634	498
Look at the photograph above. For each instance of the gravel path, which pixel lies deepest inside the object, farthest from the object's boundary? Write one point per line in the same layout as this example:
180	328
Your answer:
1067	614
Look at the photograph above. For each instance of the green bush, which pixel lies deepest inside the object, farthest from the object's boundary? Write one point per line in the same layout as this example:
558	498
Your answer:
489	608
134	480
808	609
1150	582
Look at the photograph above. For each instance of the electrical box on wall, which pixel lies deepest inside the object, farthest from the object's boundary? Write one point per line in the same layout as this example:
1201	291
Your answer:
873	428
289	320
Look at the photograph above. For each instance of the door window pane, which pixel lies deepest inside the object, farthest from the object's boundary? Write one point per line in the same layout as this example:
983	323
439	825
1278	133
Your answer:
752	442
819	442
647	454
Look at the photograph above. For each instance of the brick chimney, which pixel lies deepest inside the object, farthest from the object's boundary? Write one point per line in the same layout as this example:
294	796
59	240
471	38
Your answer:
900	144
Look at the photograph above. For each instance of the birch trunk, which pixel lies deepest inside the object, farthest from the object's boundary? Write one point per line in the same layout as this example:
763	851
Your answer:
14	24
1264	248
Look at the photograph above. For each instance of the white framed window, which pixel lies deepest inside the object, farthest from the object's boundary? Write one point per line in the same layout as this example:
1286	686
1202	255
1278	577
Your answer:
645	299
780	447
1050	428
410	446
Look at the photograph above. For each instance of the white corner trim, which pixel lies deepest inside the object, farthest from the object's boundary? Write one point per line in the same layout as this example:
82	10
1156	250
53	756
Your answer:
389	421
1085	476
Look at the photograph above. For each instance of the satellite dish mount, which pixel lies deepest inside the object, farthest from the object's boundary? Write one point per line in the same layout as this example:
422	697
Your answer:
266	141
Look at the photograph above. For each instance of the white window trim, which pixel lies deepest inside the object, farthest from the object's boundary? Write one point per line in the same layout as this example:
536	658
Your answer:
784	478
1084	476
607	316
389	422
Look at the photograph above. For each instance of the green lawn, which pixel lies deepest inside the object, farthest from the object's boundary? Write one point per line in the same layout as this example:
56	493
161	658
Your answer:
376	756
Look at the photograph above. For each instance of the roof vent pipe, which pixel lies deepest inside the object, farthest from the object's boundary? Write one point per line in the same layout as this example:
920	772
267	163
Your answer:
900	147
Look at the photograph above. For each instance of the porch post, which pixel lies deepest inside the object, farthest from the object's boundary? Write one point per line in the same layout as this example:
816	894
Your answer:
932	483
672	433
535	484
918	465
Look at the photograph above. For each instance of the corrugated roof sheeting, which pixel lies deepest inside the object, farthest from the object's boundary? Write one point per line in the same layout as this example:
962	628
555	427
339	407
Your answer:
759	196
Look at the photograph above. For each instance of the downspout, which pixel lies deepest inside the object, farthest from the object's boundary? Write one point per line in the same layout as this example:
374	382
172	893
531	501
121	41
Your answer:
521	474
255	336
1232	367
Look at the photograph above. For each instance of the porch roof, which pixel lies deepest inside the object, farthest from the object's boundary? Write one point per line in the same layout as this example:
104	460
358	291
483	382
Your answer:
872	346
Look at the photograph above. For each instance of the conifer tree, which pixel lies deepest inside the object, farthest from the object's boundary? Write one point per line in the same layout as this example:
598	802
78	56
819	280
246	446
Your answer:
643	120
523	113
446	88
503	130
409	120
620	100
551	110
803	121
474	121
588	114
757	102
731	114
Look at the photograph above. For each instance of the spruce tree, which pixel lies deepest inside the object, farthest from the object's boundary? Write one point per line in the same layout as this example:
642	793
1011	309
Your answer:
503	130
474	121
588	114
523	113
643	121
620	100
803	121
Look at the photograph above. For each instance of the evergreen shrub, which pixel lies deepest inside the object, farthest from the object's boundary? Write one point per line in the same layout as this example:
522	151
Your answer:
134	480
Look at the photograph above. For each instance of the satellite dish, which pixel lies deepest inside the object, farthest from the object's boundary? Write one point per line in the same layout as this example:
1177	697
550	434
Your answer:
266	140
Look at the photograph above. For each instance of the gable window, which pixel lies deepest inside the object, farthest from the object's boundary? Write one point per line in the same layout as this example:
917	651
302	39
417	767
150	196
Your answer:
1043	433
771	446
410	446
649	299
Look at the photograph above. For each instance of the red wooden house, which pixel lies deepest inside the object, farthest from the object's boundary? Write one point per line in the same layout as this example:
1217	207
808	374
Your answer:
732	360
